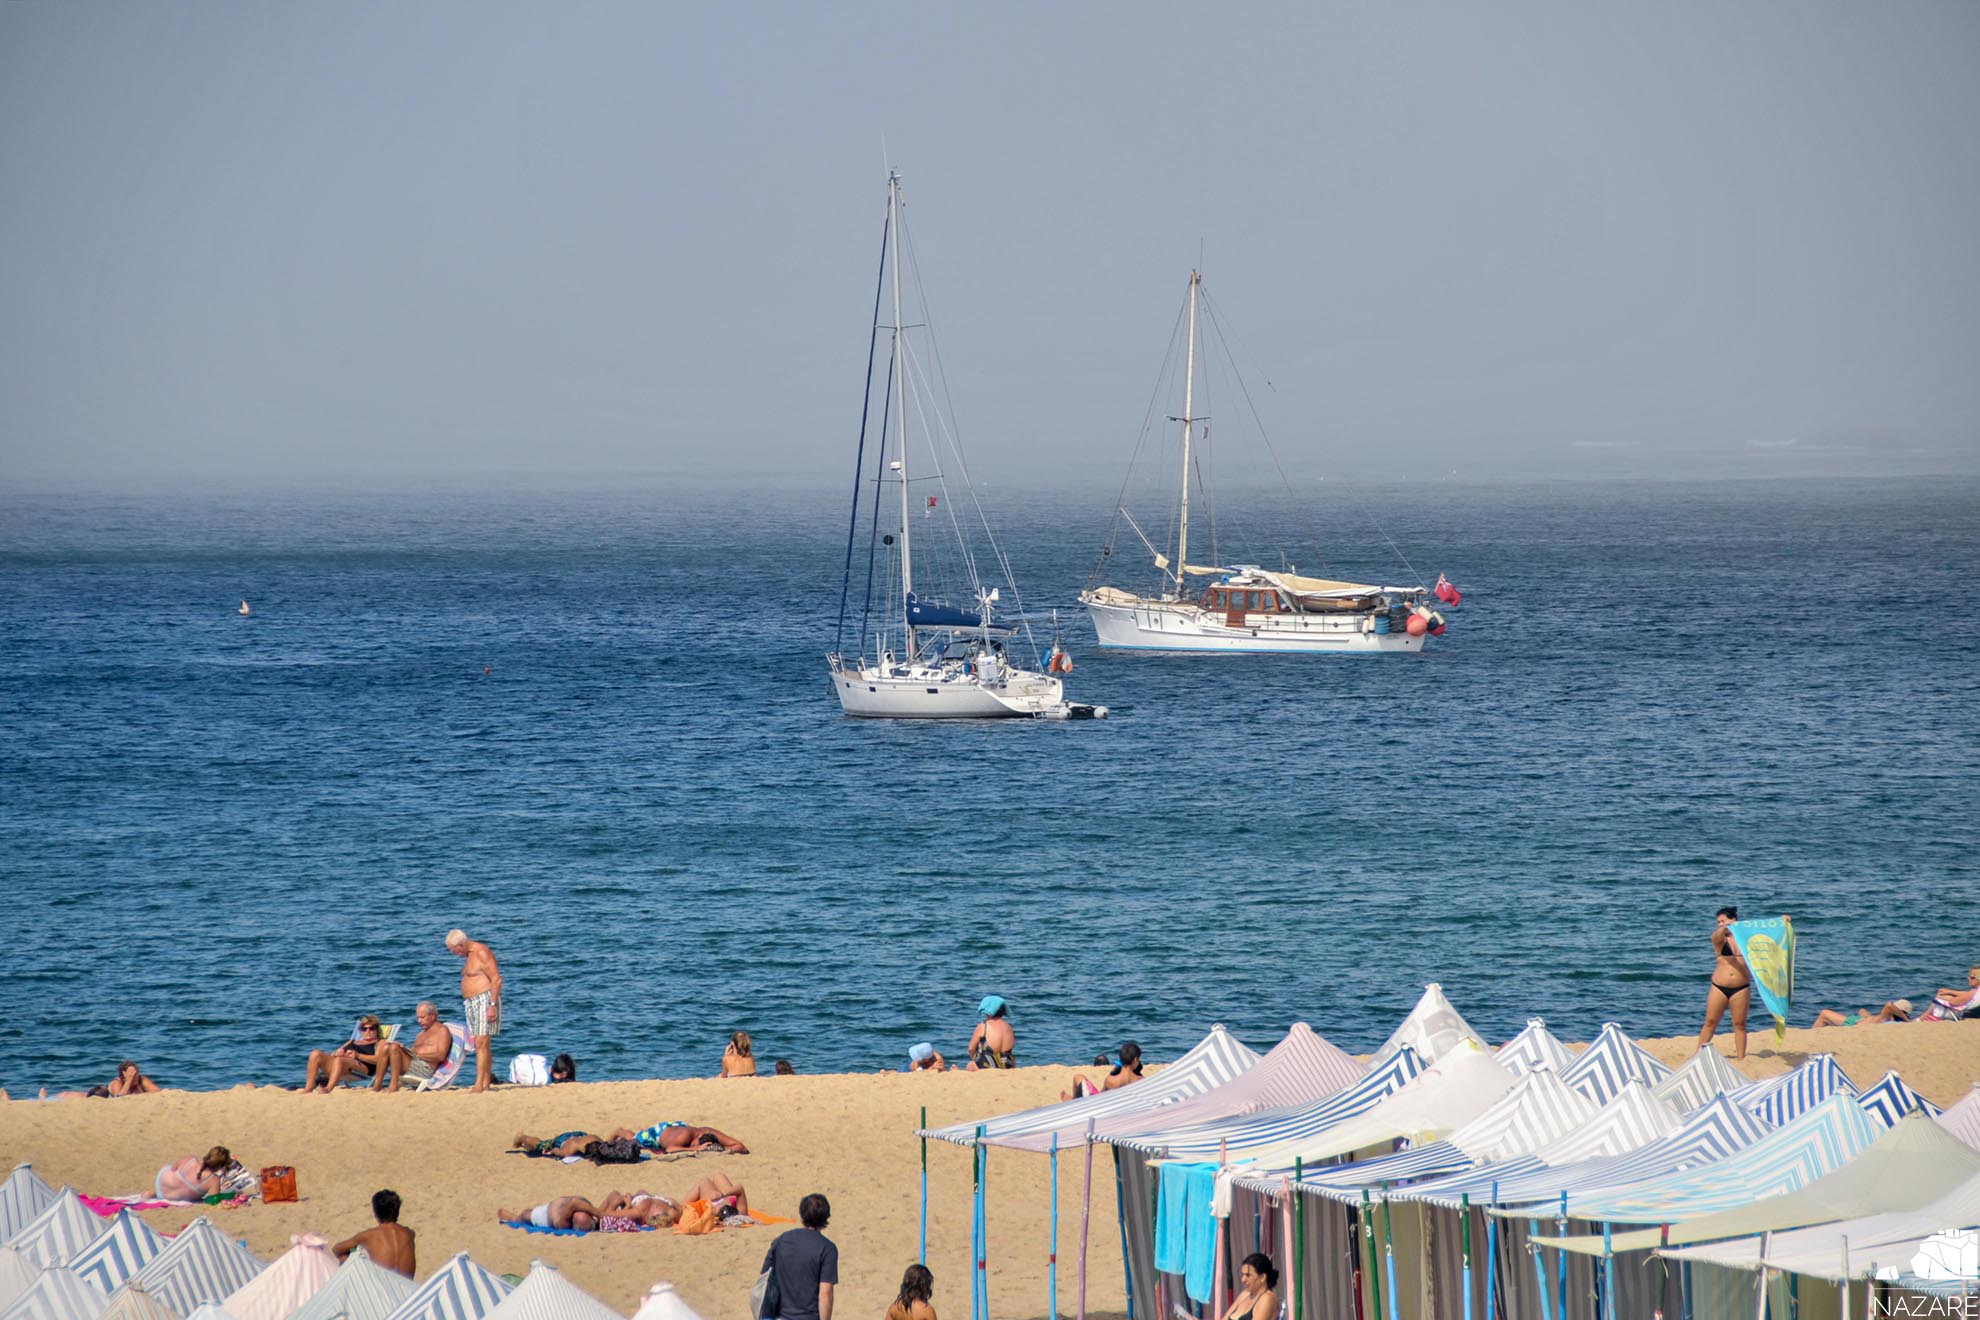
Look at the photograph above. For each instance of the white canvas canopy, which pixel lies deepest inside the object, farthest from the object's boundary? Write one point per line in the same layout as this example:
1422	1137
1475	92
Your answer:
361	1290
664	1302
1846	1248
1963	1119
548	1295
23	1196
58	1294
290	1280
63	1228
458	1290
126	1245
1432	1029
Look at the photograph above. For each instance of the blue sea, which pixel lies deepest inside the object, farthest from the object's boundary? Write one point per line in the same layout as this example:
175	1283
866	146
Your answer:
595	731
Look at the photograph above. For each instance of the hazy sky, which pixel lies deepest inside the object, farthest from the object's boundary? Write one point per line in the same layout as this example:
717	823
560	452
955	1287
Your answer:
364	243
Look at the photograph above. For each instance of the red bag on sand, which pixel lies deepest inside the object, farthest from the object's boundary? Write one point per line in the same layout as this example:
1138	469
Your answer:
278	1183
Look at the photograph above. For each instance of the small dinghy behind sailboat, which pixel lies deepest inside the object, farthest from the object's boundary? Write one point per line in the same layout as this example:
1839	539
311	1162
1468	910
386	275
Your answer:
938	650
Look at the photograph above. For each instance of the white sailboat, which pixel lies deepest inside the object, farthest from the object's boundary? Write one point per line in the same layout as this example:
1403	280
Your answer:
1246	607
938	651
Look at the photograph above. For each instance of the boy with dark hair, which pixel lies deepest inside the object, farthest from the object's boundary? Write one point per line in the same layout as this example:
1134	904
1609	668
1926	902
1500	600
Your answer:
805	1264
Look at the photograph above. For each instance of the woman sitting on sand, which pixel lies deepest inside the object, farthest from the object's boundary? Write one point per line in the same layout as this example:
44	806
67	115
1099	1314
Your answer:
657	1210
1125	1073
357	1057
737	1059
917	1286
673	1137
195	1177
130	1080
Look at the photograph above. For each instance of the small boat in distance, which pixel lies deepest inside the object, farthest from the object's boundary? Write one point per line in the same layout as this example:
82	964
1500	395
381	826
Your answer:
1244	607
928	617
244	608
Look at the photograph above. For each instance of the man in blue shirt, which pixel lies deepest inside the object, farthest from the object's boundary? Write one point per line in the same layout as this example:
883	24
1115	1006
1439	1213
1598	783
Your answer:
806	1264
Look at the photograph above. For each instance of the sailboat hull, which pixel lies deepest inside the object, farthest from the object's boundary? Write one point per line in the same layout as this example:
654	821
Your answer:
1158	625
922	693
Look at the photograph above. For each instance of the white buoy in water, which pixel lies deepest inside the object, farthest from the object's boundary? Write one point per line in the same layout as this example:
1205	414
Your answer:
245	609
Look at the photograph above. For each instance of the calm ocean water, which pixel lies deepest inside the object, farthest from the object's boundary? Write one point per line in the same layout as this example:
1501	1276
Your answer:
596	731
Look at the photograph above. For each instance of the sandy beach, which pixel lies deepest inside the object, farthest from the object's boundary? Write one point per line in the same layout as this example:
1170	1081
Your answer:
849	1136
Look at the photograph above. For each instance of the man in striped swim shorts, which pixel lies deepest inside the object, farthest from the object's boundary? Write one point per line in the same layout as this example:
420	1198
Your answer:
481	1001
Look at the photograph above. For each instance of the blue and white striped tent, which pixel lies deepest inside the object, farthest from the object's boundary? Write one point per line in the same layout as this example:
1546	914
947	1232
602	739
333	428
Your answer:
1713	1133
200	1265
58	1295
129	1303
1214	1060
210	1311
1890	1099
126	1245
1785	1098
548	1295
1963	1119
64	1227
1535	1047
1704	1075
1270	1127
17	1273
1629	1122
23	1196
1612	1062
1539	1109
361	1290
458	1290
1819	1142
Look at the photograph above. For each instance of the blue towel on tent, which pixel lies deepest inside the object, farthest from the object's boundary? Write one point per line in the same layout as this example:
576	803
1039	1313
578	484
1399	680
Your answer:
1170	1238
1199	1230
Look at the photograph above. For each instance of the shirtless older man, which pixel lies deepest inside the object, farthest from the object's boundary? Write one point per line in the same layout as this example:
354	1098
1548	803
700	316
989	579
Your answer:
428	1051
481	1000
557	1212
389	1243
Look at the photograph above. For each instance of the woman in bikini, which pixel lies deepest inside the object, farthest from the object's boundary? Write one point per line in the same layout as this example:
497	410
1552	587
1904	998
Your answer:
557	1147
657	1210
738	1058
130	1080
673	1138
1732	985
1258	1290
193	1178
917	1286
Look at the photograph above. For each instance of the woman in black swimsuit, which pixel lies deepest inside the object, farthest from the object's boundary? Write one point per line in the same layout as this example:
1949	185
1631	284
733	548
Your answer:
1732	985
1258	1290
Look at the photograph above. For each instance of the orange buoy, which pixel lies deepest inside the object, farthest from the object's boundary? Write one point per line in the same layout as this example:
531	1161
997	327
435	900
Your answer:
1417	625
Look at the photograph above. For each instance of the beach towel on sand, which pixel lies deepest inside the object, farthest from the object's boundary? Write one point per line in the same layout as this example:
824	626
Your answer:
699	1217
561	1232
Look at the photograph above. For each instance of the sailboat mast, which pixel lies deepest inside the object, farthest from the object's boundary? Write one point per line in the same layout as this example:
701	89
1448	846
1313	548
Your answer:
1188	420
900	411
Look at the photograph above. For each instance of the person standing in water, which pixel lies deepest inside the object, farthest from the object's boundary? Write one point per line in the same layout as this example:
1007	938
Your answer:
481	1001
1732	985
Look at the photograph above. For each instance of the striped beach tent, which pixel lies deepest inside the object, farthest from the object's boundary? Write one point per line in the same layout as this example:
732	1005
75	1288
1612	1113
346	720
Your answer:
1629	1122
362	1290
1846	1248
57	1295
23	1196
664	1302
126	1245
1784	1098
458	1290
1819	1142
1303	1067
210	1311
1282	1123
1906	1167
289	1282
200	1265
1535	1047
1538	1109
1963	1119
1612	1062
1711	1134
548	1295
64	1227
1432	1028
1213	1061
17	1272
1890	1099
129	1303
1704	1075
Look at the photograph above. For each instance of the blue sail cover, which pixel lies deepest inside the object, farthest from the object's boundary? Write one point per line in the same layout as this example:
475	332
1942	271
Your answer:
924	615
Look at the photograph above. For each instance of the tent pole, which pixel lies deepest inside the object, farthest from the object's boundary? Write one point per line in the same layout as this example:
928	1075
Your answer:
1219	1237
1368	1236
1464	1235
1052	1256
1120	1208
1760	1306
1562	1303
1540	1269
1684	1275
1297	1205
1492	1256
1843	1310
923	1257
983	1260
978	1300
1085	1218
1608	1275
1389	1252
1287	1251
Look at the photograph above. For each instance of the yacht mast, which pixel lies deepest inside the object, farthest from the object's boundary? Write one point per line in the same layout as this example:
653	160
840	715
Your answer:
1189	386
900	410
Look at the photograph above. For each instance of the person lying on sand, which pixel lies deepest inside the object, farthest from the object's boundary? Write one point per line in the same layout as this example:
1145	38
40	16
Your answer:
557	1147
194	1177
356	1057
389	1243
671	1138
428	1051
558	1212
1898	1010
656	1210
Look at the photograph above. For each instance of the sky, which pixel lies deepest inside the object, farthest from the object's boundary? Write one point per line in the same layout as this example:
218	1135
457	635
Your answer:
378	244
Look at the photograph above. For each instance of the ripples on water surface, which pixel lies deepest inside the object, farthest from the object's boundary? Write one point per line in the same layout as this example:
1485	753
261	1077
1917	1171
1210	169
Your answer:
222	838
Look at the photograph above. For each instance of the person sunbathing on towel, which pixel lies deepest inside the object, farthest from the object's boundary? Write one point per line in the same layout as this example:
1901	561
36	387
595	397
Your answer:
557	1147
557	1212
1898	1010
195	1177
429	1050
655	1210
672	1138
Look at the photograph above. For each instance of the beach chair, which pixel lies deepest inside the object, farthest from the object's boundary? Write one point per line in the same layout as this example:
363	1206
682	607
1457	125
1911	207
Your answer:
1941	1011
443	1076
